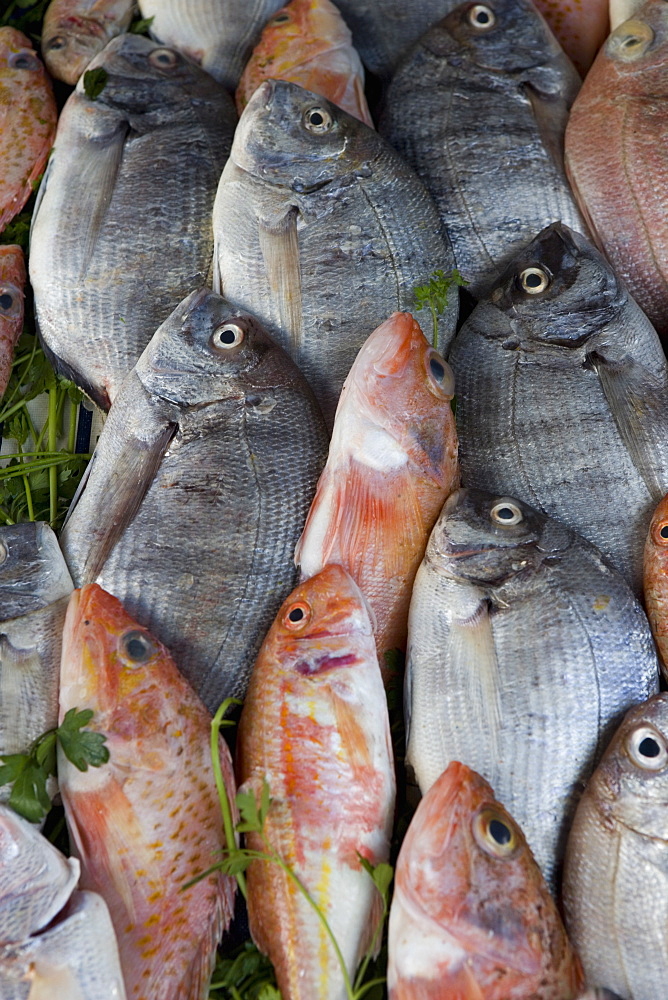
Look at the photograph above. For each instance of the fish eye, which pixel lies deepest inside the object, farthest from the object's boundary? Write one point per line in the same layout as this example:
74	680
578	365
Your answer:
318	120
297	616
24	60
138	646
506	512
647	748
281	18
227	336
59	42
6	301
441	377
630	40
494	833
482	17
163	58
660	531
534	280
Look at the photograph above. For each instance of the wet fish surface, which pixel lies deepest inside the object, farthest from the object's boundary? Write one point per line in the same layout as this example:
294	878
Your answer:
12	293
562	396
336	232
74	31
622	10
212	451
315	729
129	191
471	914
524	650
655	579
148	821
581	27
616	878
489	78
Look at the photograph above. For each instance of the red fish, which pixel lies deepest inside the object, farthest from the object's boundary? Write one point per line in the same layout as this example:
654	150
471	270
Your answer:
12	285
148	821
581	27
655	579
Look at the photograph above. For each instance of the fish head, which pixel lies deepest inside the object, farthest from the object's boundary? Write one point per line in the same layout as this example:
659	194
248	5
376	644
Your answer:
656	545
70	43
12	284
630	785
19	62
485	539
559	290
33	572
209	350
295	139
638	46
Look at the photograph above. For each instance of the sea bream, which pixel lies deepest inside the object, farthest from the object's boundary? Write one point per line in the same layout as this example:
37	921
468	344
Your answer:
198	489
74	31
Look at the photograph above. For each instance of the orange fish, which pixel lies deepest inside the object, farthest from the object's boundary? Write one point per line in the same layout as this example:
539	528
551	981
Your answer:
74	31
149	820
392	464
307	42
315	728
655	580
27	121
471	916
581	27
12	284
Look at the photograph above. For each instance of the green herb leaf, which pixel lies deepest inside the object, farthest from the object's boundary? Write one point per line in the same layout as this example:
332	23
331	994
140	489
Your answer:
29	796
434	295
381	874
141	26
235	863
81	748
94	81
12	765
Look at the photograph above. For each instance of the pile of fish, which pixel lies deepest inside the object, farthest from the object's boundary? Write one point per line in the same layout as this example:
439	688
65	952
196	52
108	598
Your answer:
293	488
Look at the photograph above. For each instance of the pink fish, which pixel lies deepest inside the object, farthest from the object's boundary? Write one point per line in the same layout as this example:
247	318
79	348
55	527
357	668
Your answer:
580	25
12	284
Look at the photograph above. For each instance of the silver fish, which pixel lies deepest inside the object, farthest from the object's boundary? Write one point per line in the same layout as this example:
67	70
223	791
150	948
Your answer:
479	109
524	649
127	194
562	392
322	231
198	490
616	873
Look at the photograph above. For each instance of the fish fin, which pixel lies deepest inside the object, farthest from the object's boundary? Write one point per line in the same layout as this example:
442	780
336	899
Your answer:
98	179
196	976
375	917
472	646
52	981
280	250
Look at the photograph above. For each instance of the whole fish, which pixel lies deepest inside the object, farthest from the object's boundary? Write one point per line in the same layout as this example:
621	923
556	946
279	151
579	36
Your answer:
562	396
580	26
309	43
616	878
12	285
655	580
147	822
392	463
471	916
614	141
27	121
75	959
524	649
206	466
35	586
74	31
217	34
315	729
128	191
335	230
479	109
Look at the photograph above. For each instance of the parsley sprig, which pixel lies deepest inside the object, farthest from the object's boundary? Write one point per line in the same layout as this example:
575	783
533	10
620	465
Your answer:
434	295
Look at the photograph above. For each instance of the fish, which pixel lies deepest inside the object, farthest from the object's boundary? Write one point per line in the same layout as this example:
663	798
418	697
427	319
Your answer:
580	26
525	648
496	173
309	43
147	822
655	580
622	10
315	731
74	31
74	959
27	121
562	396
617	126
212	451
217	34
329	217
392	463
12	294
615	890
128	191
471	915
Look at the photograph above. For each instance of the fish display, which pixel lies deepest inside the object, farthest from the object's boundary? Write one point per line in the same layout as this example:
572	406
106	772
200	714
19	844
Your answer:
471	915
217	34
392	463
27	121
581	27
129	190
501	58
12	293
617	128
615	880
328	215
316	688
308	42
562	396
655	579
215	427
74	31
148	821
524	650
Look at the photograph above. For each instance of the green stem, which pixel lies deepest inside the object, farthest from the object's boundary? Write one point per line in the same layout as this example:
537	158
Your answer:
435	322
8	519
225	807
369	986
16	470
26	487
72	427
4	414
